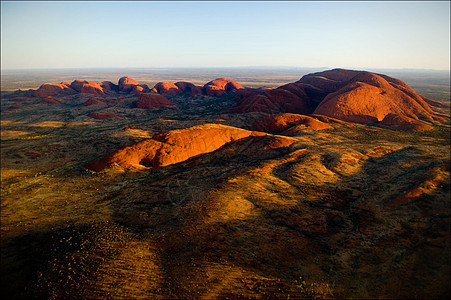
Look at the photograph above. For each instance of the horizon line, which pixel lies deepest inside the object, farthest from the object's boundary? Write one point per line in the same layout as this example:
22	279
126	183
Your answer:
221	67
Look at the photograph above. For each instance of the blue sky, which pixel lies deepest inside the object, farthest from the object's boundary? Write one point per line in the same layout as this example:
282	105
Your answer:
225	34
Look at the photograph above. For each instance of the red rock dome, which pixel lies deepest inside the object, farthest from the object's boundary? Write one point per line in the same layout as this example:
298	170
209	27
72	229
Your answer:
153	101
179	145
218	86
167	88
126	84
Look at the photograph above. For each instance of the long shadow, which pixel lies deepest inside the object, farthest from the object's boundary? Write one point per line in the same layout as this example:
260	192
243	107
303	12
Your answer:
348	239
354	240
59	262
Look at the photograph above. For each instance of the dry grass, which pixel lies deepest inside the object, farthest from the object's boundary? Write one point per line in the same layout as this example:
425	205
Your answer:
241	222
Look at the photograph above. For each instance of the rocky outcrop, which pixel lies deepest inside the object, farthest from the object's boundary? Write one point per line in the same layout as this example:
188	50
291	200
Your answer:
94	101
138	89
167	88
52	89
219	86
108	86
90	87
153	101
283	122
184	86
179	145
405	123
347	95
368	98
188	87
126	84
196	90
292	98
248	92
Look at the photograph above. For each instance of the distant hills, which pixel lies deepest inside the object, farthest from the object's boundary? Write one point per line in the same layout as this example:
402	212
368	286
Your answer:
347	95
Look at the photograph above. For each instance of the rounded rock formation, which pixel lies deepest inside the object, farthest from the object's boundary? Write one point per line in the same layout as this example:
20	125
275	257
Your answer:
167	88
153	101
248	92
90	87
179	145
218	86
282	122
51	89
347	95
109	86
138	89
94	101
126	84
405	123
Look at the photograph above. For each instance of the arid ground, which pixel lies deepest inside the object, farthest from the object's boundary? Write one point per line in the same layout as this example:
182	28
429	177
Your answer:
322	208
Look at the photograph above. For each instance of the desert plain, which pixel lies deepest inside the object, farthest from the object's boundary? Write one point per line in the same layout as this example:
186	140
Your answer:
283	185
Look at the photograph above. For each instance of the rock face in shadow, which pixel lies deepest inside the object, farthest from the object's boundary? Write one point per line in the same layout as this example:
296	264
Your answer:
51	100
283	122
189	88
347	95
126	84
179	145
138	89
109	86
248	92
405	123
153	101
83	86
94	101
291	98
219	86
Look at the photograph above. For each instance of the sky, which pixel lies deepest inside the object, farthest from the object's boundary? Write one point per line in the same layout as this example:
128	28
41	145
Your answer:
115	34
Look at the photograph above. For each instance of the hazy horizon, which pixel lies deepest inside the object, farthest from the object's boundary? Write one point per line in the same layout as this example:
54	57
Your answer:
256	67
432	83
